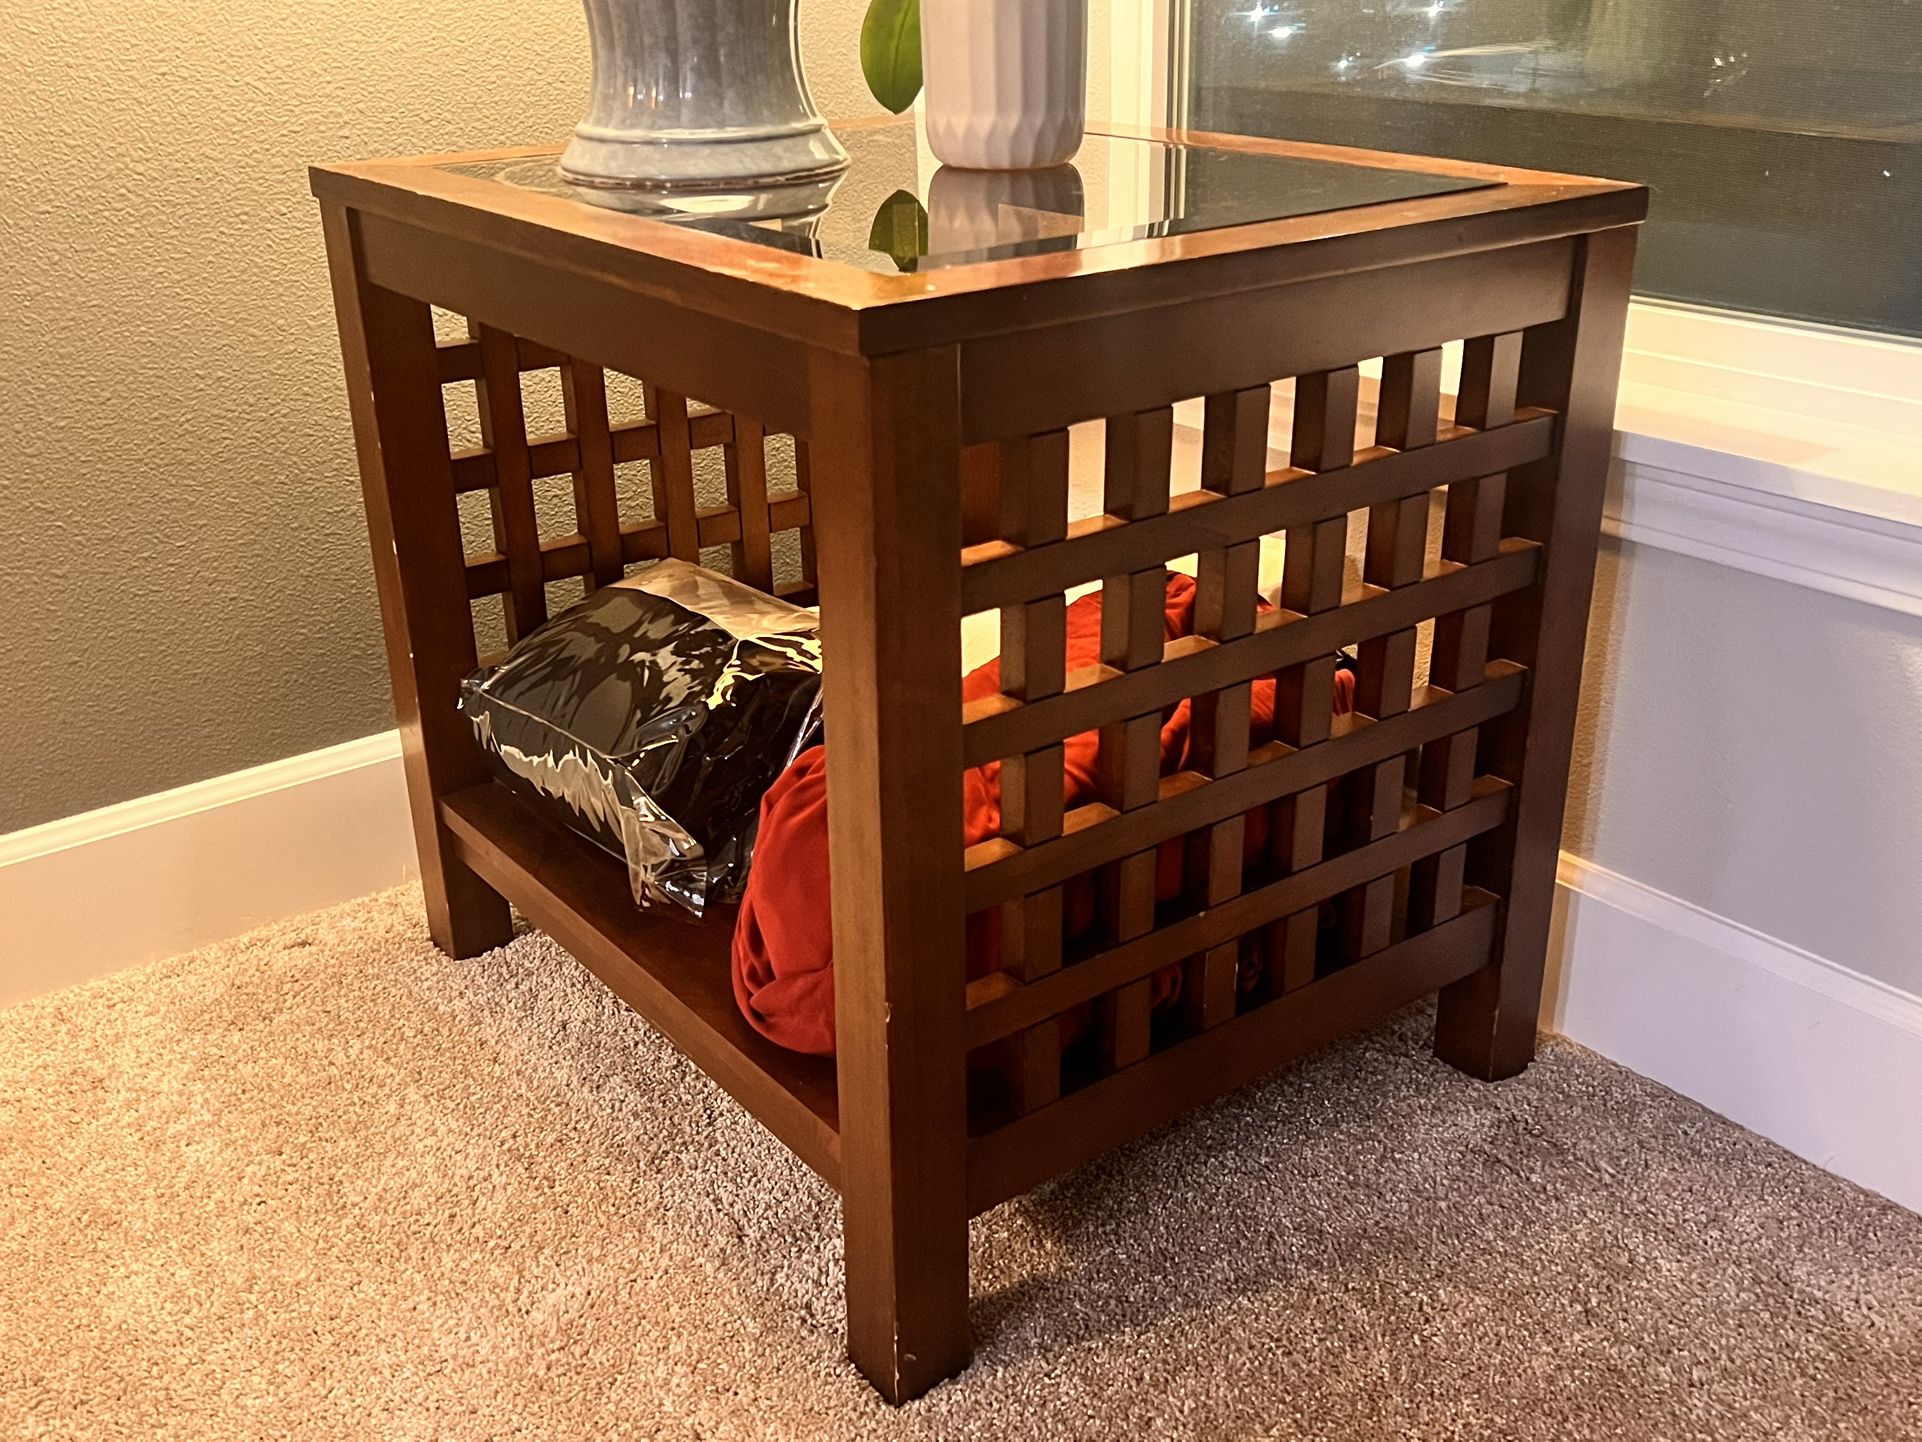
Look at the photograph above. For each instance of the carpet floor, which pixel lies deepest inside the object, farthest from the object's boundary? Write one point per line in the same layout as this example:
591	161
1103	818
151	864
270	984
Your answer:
324	1182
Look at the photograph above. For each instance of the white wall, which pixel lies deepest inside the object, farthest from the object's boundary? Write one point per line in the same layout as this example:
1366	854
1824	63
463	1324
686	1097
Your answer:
1755	748
1741	911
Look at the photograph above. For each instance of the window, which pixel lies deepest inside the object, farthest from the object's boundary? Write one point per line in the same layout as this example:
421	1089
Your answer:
1782	139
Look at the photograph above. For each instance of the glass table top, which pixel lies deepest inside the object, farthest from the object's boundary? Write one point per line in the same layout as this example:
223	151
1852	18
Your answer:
896	210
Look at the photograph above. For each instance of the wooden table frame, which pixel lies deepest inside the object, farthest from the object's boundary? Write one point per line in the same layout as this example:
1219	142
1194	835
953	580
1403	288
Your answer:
929	413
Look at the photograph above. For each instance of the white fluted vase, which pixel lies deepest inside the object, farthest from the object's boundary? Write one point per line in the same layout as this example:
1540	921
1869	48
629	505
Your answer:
1007	81
698	95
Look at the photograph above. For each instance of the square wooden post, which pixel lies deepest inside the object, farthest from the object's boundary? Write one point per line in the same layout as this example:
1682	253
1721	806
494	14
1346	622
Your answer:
413	522
887	526
1486	1023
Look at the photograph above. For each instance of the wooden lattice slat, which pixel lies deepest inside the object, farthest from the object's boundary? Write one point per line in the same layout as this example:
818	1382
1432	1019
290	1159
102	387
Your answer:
1033	477
597	506
804	481
1471	531
503	426
982	494
1140	452
459	359
1407	419
673	473
745	459
1312	575
1234	461
1006	1162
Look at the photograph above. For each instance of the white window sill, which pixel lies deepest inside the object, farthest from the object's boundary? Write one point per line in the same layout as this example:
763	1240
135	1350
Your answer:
1787	451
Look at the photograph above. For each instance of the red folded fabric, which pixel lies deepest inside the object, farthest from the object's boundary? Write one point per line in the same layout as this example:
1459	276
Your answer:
783	955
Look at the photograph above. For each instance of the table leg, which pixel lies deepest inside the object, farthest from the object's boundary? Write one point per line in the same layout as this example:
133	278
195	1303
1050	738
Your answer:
887	493
413	522
1486	1023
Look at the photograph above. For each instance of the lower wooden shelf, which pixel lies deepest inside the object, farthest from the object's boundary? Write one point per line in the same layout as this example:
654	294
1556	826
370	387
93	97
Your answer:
675	972
669	968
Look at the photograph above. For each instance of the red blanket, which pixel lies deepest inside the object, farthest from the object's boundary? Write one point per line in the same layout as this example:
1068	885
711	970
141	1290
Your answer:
783	943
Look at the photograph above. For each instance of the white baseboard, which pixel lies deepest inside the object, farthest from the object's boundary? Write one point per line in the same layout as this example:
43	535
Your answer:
169	873
1819	1059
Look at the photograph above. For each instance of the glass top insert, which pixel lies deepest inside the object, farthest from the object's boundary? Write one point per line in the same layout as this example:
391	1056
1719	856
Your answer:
896	210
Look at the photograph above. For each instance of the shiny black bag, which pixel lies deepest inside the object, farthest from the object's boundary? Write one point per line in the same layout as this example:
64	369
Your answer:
652	717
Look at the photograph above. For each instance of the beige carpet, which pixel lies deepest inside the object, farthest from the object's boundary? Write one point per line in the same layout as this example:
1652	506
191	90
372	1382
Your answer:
323	1182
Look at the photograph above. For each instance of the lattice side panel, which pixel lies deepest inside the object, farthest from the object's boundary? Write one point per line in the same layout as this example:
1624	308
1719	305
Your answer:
1350	837
594	538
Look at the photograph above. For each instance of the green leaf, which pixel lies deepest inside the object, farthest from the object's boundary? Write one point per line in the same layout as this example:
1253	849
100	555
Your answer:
900	229
891	52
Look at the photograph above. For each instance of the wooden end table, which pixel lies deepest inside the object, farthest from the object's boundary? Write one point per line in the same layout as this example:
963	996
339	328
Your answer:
927	341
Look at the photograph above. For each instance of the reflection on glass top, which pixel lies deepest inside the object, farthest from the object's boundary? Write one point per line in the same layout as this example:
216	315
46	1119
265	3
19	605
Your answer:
894	210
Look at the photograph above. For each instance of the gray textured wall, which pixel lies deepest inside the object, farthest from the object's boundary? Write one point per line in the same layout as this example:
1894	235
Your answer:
184	577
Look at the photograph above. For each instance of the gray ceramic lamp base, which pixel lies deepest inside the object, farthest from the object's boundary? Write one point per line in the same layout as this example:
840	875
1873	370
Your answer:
694	96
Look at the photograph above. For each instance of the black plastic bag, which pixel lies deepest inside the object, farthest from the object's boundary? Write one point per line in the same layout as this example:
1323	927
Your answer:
652	717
